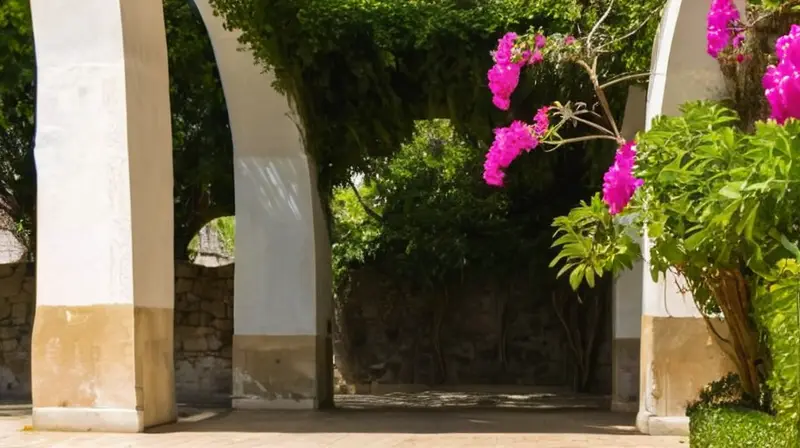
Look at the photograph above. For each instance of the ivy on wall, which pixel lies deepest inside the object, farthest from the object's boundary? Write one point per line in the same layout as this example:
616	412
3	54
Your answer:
361	71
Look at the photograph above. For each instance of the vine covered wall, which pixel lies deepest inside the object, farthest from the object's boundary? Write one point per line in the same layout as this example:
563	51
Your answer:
361	72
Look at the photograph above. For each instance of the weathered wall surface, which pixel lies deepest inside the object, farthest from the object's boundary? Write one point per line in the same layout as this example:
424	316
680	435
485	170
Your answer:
382	335
17	292
497	334
203	331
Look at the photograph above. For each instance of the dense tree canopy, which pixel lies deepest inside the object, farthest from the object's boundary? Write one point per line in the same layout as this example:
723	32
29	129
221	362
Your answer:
201	136
361	72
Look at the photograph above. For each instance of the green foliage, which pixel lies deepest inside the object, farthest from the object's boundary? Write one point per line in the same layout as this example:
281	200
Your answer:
17	93
736	427
777	307
713	195
362	71
223	228
201	136
592	243
426	215
722	417
726	391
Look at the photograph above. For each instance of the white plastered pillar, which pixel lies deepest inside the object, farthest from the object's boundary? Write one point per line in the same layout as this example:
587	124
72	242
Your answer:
102	355
678	355
282	355
627	293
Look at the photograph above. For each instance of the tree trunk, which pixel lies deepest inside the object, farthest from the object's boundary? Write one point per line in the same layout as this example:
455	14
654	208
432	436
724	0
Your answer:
733	297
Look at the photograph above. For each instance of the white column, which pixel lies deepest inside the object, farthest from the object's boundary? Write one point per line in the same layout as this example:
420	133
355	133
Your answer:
678	355
627	293
282	297
102	356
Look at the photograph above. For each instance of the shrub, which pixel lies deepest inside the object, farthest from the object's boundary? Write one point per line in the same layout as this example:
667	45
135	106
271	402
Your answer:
736	427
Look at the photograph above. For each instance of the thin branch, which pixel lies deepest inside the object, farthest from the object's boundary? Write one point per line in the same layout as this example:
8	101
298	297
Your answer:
592	124
597	26
601	96
624	78
633	30
372	213
560	316
580	139
558	143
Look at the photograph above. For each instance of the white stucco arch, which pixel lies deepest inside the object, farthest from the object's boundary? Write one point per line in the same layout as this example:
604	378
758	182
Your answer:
102	349
102	343
678	356
282	356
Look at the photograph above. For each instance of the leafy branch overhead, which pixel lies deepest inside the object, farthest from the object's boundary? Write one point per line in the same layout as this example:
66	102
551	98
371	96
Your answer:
361	72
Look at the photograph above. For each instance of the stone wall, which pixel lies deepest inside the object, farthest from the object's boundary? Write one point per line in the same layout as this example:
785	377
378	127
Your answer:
381	335
17	292
203	331
501	334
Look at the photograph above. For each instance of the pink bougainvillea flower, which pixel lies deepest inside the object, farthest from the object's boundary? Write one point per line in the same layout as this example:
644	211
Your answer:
508	62
723	27
509	142
536	57
505	48
541	41
619	183
503	80
541	121
569	40
782	81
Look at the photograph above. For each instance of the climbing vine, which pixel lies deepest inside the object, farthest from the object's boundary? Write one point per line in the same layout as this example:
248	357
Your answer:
361	71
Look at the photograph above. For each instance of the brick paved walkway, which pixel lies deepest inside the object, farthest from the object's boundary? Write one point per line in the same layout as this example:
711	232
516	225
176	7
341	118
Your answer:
358	429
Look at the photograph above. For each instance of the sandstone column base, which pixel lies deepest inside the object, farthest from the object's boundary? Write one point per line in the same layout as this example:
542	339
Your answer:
103	368
282	372
679	357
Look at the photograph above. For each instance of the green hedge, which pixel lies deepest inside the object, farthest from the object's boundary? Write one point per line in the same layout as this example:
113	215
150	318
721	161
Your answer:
732	427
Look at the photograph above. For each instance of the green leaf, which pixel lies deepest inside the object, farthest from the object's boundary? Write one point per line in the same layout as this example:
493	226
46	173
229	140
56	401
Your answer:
732	190
576	277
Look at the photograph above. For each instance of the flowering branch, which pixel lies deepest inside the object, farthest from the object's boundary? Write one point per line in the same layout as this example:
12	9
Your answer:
515	53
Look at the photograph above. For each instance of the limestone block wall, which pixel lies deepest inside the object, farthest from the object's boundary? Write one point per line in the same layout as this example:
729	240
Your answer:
17	292
203	331
506	334
381	335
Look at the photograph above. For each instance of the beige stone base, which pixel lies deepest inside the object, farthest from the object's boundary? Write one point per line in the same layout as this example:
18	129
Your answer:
679	357
88	419
653	425
282	372
625	375
102	368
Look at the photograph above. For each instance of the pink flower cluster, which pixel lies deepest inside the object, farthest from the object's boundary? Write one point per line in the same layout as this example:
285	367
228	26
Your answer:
508	62
782	82
723	27
619	183
509	143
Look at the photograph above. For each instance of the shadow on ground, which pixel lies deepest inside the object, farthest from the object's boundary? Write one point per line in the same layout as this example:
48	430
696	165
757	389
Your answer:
401	413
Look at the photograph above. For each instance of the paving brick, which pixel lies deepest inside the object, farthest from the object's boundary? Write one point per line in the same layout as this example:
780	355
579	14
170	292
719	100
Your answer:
361	429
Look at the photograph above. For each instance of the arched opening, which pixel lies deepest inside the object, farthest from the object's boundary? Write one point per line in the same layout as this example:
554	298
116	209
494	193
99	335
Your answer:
214	244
